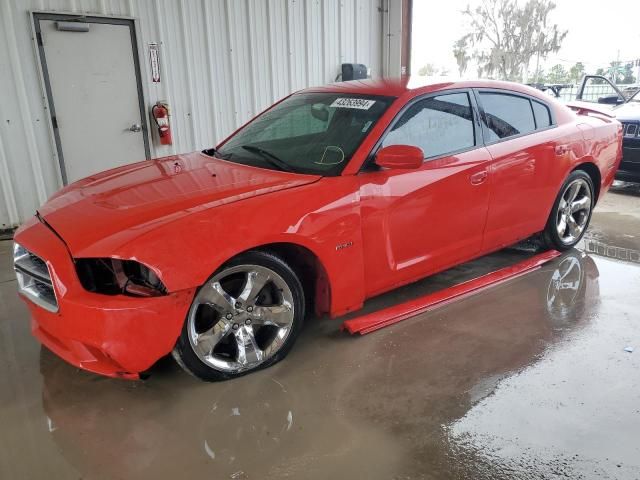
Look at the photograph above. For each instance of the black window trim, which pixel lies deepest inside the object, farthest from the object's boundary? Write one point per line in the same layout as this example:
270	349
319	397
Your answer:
478	141
531	98
535	120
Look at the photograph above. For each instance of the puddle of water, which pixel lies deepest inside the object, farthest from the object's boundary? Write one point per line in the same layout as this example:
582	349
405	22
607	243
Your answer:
575	411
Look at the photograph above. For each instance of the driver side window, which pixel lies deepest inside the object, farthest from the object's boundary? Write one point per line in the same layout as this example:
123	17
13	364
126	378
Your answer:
438	125
600	90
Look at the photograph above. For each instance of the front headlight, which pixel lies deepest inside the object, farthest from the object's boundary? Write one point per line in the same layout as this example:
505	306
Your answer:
112	276
19	252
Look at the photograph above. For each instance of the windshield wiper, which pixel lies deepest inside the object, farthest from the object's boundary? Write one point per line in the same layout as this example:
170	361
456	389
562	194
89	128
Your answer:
269	157
212	152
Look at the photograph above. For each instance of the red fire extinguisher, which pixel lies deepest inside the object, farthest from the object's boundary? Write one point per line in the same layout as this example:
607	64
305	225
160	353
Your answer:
160	114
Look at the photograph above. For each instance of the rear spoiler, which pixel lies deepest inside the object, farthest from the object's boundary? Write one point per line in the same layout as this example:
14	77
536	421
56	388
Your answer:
587	108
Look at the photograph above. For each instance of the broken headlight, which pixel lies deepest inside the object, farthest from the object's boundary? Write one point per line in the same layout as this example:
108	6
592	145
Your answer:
112	276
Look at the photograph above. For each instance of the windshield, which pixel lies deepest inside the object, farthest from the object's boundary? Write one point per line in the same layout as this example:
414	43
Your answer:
635	97
313	133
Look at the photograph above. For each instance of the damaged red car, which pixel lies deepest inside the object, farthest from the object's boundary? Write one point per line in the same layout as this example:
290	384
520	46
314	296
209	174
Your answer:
331	196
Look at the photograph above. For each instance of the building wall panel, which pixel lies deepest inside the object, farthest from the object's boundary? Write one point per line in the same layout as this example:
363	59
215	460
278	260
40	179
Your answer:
222	61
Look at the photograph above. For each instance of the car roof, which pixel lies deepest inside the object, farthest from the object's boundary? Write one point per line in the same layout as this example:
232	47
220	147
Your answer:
416	85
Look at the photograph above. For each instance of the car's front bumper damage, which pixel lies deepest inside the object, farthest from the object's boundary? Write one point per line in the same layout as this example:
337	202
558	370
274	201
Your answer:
112	335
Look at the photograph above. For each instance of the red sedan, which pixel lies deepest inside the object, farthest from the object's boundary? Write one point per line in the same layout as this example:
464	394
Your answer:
331	196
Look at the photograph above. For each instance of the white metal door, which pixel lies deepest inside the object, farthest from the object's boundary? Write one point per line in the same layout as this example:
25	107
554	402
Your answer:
95	98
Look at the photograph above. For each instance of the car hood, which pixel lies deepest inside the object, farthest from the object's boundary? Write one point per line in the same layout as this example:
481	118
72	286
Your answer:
130	200
627	111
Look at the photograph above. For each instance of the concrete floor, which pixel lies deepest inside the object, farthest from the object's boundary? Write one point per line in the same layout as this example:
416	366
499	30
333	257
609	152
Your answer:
520	381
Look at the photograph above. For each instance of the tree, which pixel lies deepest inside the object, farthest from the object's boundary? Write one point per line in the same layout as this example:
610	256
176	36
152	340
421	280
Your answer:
599	81
576	72
557	74
428	70
538	74
628	76
460	52
505	36
618	73
614	71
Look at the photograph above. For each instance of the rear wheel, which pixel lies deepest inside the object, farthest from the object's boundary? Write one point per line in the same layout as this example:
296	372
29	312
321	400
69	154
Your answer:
571	212
244	318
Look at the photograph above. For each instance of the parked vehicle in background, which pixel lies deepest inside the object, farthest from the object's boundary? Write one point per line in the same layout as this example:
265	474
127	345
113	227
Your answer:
331	196
554	89
625	106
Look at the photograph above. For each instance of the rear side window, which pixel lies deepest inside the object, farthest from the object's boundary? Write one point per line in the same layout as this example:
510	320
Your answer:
507	115
541	112
438	125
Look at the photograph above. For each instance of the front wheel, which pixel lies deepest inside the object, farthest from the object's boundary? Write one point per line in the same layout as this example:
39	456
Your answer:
571	212
244	318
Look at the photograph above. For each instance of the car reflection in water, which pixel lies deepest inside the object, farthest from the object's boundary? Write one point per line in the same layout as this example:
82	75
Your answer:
573	412
259	427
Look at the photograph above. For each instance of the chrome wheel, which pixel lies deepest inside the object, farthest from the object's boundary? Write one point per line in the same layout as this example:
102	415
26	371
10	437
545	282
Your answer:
240	318
573	211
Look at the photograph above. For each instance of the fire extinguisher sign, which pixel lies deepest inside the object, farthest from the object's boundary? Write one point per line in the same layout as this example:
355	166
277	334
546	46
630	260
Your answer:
155	62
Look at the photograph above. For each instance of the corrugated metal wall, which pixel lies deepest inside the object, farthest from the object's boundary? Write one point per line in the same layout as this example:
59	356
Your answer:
222	61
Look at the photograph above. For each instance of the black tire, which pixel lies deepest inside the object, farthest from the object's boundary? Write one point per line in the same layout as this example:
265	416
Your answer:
550	236
184	352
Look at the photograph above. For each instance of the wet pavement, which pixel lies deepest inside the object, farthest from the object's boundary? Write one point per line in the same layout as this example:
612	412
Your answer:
529	379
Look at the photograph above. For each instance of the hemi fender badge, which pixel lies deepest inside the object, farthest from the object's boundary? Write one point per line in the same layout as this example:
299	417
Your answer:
341	246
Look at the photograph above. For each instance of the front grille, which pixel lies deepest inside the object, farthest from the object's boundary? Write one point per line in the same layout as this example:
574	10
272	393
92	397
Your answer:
34	279
630	129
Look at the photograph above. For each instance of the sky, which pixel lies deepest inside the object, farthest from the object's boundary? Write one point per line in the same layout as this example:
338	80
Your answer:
597	31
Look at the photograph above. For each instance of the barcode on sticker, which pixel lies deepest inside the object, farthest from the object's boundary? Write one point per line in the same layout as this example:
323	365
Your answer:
359	103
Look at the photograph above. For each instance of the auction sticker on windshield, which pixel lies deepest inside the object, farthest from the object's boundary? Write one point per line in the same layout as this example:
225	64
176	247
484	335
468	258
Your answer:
359	103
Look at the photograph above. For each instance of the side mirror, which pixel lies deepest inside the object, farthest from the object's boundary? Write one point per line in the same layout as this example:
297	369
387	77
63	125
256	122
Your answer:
400	156
610	100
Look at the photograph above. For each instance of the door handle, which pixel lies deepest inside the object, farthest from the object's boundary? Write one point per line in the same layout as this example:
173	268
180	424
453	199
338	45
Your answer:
478	178
530	165
136	127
